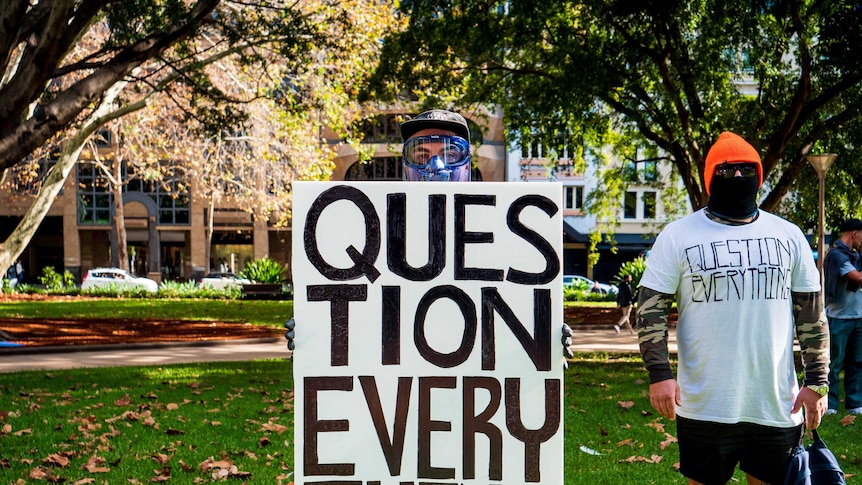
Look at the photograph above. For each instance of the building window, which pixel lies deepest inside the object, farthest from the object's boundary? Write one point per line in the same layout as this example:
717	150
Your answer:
28	177
650	171
640	204
381	129
381	168
95	196
649	205
630	205
574	197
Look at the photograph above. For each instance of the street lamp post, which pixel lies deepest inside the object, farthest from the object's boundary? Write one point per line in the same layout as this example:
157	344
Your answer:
821	164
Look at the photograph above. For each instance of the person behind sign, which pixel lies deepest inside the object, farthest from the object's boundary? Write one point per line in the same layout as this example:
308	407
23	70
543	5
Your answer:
842	275
743	280
436	148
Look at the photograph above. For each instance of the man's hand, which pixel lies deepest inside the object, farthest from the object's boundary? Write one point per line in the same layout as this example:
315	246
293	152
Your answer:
664	397
567	341
290	334
815	406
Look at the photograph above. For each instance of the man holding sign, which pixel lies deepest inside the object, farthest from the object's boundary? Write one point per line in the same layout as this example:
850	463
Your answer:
426	355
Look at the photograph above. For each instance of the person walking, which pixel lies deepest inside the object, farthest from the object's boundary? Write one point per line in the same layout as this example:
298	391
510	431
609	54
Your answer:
743	280
625	301
842	274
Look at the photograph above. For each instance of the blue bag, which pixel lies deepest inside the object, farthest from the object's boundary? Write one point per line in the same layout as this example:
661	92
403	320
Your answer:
815	465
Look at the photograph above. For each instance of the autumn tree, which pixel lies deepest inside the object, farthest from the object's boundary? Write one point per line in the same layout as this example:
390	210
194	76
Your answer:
71	66
647	79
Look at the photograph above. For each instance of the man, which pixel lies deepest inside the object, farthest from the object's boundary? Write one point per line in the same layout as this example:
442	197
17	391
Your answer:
842	270
625	299
743	279
436	149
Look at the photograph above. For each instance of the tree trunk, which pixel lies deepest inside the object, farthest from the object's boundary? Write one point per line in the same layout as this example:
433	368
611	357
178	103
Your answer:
119	221
23	233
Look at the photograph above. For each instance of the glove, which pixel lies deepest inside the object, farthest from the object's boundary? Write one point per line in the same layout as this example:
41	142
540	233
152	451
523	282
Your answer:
566	340
289	334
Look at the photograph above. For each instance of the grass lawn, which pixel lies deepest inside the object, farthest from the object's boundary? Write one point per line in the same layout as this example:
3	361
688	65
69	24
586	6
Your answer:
194	423
258	312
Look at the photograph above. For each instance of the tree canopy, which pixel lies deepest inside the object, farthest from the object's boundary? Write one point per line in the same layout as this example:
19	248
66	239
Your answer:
650	79
69	67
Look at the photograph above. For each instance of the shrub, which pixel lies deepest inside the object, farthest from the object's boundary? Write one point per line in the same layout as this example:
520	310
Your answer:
264	270
635	268
55	281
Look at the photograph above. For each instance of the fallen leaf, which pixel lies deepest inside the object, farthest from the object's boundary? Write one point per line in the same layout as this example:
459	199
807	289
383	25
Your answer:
23	432
625	404
57	459
84	481
624	442
123	401
172	406
96	464
171	432
848	420
278	428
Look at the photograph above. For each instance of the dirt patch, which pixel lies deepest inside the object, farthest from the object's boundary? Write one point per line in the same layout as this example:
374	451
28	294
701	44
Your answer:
40	332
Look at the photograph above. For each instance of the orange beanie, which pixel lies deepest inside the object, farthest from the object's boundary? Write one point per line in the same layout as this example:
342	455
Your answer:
730	148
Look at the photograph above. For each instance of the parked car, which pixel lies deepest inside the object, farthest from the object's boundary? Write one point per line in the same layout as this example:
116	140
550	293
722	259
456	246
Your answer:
221	281
104	277
603	287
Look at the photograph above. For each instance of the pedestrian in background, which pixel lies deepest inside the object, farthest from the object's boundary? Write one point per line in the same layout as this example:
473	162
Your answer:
842	275
743	280
625	301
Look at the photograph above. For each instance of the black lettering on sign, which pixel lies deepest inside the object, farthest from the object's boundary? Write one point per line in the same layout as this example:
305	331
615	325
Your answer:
552	260
463	237
532	439
468	338
537	346
363	261
396	238
391	325
427	426
481	423
339	296
393	449
312	426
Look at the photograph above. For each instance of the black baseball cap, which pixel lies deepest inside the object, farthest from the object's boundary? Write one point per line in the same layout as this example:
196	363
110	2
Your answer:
851	225
436	118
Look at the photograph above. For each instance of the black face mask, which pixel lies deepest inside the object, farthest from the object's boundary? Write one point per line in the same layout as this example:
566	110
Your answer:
734	198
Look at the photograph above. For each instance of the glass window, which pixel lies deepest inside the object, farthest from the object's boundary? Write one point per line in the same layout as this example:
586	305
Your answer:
650	171
95	196
574	197
630	206
380	168
649	205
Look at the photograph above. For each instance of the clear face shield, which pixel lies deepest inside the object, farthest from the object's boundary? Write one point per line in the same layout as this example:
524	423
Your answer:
436	158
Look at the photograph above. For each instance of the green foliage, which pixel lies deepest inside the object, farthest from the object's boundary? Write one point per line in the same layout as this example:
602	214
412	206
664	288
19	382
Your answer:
635	268
580	290
638	81
265	270
56	281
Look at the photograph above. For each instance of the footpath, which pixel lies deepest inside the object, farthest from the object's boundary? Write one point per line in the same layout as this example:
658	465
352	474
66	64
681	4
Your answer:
51	358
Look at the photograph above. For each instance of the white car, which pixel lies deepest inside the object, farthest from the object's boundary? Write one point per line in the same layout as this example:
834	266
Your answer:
105	277
603	287
221	281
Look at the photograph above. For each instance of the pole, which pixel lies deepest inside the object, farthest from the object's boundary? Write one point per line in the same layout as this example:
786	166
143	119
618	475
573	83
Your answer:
821	215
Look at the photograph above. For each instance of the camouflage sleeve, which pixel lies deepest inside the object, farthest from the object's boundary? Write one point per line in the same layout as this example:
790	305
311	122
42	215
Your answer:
812	331
652	324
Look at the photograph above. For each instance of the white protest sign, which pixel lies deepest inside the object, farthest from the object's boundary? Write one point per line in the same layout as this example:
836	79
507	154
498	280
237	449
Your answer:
428	333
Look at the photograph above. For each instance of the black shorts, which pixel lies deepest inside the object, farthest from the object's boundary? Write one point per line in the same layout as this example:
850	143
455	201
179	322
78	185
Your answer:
709	452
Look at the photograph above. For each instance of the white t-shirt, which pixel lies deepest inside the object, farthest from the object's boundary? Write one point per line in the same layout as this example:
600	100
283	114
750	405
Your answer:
735	330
